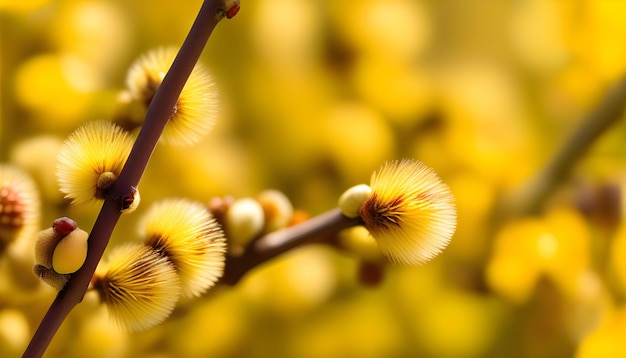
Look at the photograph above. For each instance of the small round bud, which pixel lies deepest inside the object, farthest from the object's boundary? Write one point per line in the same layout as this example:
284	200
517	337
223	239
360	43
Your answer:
231	8
59	251
244	221
71	252
63	226
351	200
130	203
106	181
277	209
218	206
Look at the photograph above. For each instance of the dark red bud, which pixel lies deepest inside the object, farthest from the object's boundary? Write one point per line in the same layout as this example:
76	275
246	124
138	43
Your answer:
64	226
230	13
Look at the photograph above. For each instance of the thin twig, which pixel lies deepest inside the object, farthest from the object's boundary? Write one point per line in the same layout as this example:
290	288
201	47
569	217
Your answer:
278	242
530	197
158	113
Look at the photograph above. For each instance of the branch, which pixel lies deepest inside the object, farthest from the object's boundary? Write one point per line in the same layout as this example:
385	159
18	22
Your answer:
156	118
531	196
278	242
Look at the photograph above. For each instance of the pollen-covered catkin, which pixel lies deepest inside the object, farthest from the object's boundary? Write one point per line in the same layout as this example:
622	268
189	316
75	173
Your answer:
19	205
196	109
410	213
185	232
91	159
139	286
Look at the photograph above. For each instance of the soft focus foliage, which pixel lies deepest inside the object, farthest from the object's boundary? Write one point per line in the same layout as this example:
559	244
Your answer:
314	96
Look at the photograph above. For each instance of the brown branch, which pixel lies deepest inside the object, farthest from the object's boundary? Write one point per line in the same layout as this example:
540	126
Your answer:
158	113
278	242
531	196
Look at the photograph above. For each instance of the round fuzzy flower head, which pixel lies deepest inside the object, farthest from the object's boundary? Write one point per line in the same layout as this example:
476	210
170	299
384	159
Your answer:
19	205
187	234
196	108
410	213
139	287
91	159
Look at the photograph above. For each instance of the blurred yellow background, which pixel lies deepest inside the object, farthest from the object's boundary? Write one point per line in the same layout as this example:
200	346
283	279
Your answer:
315	96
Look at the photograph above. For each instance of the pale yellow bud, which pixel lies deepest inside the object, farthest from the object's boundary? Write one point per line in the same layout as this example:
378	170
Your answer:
59	251
351	200
71	252
244	221
277	209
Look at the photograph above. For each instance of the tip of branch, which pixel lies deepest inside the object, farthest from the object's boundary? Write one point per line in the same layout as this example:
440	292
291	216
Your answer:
228	9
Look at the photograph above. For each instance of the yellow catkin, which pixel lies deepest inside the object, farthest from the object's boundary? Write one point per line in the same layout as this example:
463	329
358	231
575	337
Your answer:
195	111
92	155
139	286
185	232
411	212
19	205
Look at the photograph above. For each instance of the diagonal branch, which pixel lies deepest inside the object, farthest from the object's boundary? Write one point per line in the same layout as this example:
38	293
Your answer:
157	116
278	242
530	197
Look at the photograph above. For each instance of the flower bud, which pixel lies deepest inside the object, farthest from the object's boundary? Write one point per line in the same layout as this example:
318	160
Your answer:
130	203
351	200
60	250
277	209
244	221
70	253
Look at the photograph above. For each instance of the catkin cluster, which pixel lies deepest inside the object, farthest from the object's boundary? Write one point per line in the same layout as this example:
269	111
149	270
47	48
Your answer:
181	253
182	248
247	219
92	157
407	213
